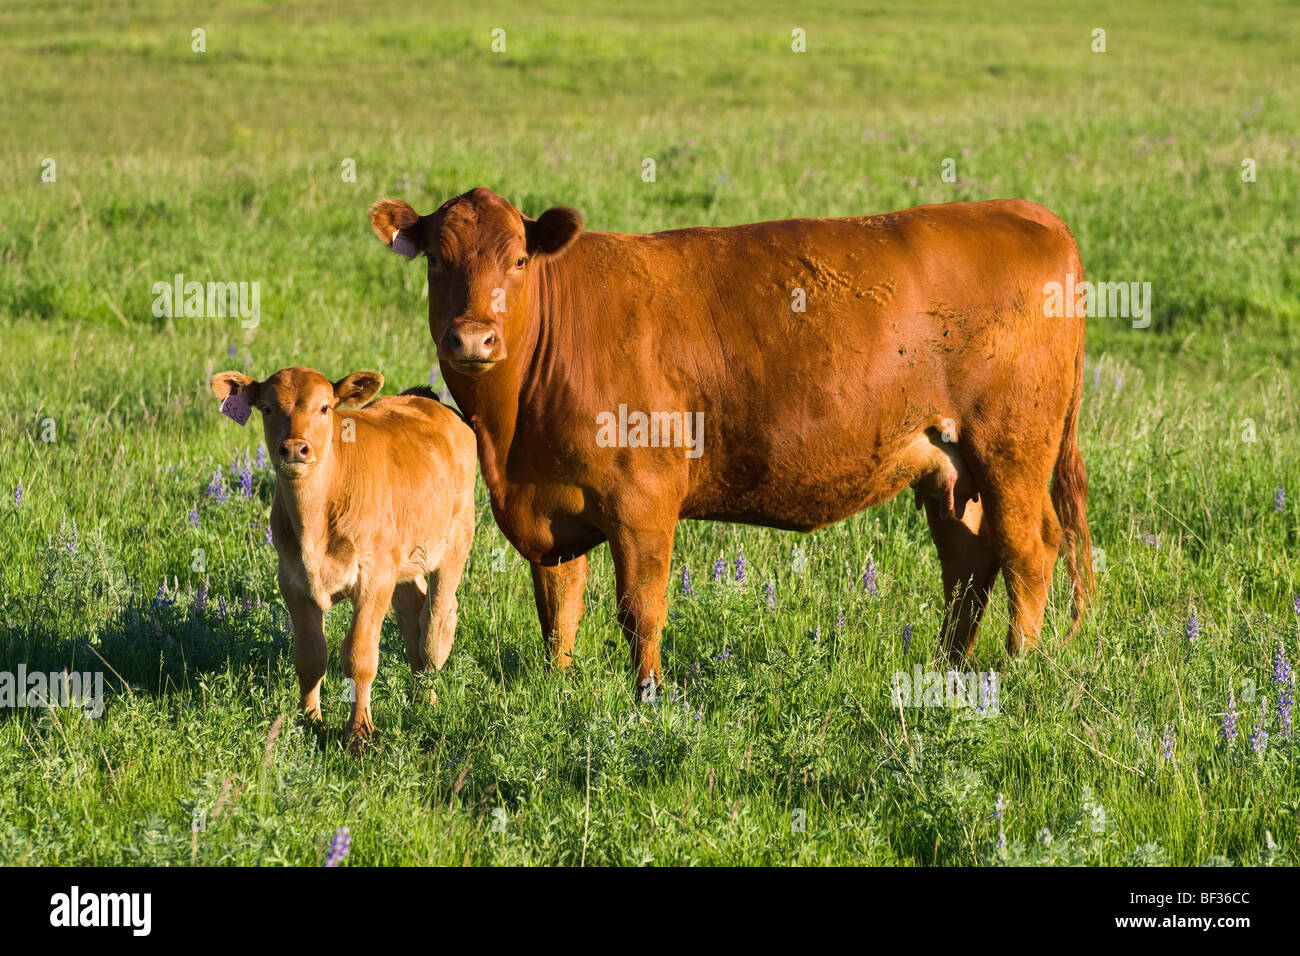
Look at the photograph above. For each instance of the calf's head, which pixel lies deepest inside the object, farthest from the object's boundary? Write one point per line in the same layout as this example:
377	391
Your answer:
482	253
297	406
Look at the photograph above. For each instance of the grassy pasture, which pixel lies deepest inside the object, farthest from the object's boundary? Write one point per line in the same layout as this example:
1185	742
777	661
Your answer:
228	165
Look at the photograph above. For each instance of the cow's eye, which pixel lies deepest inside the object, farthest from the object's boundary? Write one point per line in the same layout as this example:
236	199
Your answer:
521	262
324	409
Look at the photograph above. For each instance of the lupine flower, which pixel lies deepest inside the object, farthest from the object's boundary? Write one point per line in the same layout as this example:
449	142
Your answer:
160	599
1149	539
339	847
1193	626
1169	742
907	635
217	487
1281	666
839	621
246	483
769	594
222	613
230	350
1230	719
817	634
201	600
267	539
869	577
1259	738
726	653
18	494
998	806
687	586
194	516
261	456
742	568
1296	605
719	568
1279	499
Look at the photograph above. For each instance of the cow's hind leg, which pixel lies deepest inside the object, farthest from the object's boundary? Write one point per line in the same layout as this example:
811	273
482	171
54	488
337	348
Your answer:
557	590
970	566
1027	536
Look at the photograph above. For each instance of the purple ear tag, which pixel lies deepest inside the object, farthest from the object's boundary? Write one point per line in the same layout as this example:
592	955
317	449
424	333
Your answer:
404	246
235	407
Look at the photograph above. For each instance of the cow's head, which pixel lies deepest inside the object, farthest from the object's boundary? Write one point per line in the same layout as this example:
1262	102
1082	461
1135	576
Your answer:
297	406
481	252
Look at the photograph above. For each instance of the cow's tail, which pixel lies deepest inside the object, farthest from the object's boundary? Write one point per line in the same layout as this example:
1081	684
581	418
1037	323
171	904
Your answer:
1070	500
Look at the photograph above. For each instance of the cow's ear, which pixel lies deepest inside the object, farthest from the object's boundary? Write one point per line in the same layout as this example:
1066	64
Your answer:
398	226
357	388
553	230
234	383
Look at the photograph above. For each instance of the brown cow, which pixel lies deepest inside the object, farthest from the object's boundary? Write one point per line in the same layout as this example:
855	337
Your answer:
375	505
831	362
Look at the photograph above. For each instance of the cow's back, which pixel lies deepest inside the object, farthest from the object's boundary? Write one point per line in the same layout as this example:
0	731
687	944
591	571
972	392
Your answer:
811	347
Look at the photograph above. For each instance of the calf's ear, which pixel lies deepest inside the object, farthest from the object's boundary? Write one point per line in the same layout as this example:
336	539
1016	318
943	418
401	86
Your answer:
553	230
357	388
398	226
234	383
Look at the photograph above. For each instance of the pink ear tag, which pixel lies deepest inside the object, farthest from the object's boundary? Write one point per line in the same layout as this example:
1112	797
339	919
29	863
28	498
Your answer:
235	407
404	246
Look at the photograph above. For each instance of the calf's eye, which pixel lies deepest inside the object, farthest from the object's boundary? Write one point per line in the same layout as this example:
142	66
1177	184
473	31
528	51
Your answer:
519	263
324	409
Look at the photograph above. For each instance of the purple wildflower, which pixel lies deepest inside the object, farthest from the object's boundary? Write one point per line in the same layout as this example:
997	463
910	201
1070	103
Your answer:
999	806
267	539
1169	742
246	483
1149	539
217	487
18	494
840	621
222	614
726	653
1285	678
907	635
194	516
719	568
869	577
1296	605
1230	719
1193	626
1259	738
742	568
817	634
687	586
339	847
201	599
1279	499
160	599
261	456
769	594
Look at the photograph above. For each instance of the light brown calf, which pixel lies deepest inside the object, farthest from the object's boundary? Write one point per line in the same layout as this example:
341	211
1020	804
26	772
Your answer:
375	505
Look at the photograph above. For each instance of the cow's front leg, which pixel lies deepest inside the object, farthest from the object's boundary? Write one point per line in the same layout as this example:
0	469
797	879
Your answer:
359	653
557	589
642	556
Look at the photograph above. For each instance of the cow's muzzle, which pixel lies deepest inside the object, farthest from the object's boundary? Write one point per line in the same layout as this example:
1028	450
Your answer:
295	454
472	349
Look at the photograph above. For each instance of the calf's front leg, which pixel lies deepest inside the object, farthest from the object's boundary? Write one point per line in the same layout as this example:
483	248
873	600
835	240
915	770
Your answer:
359	653
310	651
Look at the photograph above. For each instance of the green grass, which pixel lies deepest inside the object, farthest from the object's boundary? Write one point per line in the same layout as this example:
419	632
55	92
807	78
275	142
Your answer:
226	166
